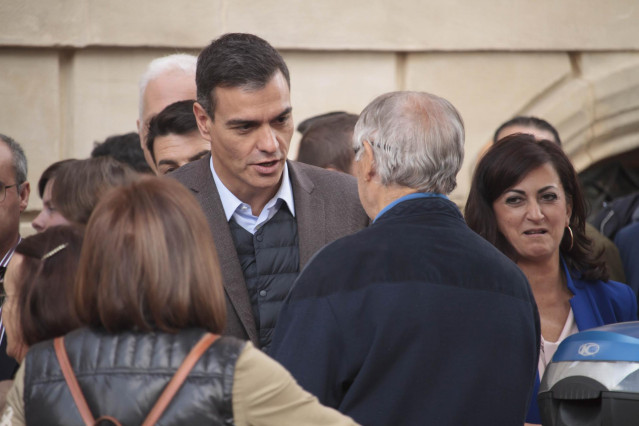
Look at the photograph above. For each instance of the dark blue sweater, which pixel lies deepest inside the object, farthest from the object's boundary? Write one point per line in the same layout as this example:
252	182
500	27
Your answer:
415	320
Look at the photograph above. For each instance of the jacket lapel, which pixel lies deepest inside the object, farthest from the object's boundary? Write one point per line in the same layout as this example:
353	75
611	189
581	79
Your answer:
583	307
309	213
205	191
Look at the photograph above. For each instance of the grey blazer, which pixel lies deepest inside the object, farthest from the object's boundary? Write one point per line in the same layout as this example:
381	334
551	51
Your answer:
327	207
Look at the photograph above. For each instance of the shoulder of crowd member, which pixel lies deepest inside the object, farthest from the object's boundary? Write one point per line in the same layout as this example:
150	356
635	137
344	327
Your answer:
337	183
343	208
337	266
189	168
264	392
323	175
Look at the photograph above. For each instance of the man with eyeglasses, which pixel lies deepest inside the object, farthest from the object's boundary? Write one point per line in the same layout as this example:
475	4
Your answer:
14	197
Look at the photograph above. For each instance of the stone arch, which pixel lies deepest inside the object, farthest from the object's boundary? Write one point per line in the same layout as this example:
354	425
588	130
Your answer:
596	109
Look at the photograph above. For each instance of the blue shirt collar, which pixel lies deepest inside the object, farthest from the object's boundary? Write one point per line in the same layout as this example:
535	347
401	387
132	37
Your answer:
412	196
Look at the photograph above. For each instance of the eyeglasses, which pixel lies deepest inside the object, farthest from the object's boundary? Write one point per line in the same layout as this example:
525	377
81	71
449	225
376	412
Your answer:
3	190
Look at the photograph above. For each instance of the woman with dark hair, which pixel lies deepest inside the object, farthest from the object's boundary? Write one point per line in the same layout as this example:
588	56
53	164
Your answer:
526	200
150	290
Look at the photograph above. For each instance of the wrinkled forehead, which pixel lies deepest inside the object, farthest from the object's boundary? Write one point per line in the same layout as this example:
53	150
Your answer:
7	169
166	89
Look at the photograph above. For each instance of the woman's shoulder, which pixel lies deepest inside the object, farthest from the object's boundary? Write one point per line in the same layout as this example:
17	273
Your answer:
614	288
619	295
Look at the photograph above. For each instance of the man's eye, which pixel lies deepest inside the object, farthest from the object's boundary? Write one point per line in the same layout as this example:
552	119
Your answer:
244	128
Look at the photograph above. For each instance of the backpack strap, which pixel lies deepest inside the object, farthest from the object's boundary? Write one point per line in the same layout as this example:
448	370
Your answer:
180	375
72	382
163	401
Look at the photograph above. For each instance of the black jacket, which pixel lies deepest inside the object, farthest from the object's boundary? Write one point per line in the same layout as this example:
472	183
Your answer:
122	375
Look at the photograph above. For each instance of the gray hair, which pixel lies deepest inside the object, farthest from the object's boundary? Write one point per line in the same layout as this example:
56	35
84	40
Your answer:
176	62
18	157
417	140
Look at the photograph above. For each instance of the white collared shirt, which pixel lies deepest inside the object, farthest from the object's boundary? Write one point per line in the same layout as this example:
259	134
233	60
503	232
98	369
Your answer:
242	212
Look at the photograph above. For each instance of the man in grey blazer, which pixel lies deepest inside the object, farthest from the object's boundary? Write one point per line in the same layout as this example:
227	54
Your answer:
268	216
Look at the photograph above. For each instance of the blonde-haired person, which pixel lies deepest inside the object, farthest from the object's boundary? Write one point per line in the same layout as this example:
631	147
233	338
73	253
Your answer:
149	288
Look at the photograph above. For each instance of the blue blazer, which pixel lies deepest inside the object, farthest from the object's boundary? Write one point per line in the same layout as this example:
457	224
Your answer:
594	303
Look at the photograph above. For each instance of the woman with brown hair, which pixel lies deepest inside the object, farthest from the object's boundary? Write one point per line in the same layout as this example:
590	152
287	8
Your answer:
37	299
526	200
150	290
80	184
49	215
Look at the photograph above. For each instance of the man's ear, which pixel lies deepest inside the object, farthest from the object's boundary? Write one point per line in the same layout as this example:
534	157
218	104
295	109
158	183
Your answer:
368	159
203	121
25	190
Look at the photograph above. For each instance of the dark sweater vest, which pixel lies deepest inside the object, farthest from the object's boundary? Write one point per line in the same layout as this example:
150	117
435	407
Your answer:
122	375
270	261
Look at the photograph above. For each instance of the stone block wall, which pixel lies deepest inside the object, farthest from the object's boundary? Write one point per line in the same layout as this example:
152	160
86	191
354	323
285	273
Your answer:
69	68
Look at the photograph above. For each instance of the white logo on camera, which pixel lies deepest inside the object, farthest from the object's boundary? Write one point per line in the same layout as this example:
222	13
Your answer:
588	349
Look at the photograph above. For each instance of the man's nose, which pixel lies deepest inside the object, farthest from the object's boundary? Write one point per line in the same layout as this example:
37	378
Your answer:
268	140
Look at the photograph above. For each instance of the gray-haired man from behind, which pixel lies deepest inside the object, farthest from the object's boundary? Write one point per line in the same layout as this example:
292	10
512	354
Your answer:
416	319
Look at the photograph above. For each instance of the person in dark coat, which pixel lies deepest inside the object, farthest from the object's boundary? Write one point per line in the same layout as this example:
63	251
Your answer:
416	319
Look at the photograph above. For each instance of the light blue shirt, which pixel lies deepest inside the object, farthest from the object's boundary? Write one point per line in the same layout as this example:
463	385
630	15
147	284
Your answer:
242	212
406	198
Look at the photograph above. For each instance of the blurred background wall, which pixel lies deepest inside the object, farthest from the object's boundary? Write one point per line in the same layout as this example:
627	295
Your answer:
69	68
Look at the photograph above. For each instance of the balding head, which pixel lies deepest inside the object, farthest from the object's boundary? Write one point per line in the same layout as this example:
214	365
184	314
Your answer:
417	140
167	80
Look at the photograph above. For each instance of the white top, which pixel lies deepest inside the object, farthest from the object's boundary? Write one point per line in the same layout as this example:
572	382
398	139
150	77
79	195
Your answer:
242	212
548	349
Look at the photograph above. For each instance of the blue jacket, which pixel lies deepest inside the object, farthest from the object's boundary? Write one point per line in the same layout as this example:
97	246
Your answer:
594	303
627	241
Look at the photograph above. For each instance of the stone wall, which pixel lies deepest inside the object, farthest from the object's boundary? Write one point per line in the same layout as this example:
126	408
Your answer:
69	68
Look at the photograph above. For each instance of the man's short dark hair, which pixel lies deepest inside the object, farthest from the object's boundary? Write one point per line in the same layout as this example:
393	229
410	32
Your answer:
327	141
306	124
529	121
236	60
176	119
124	148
